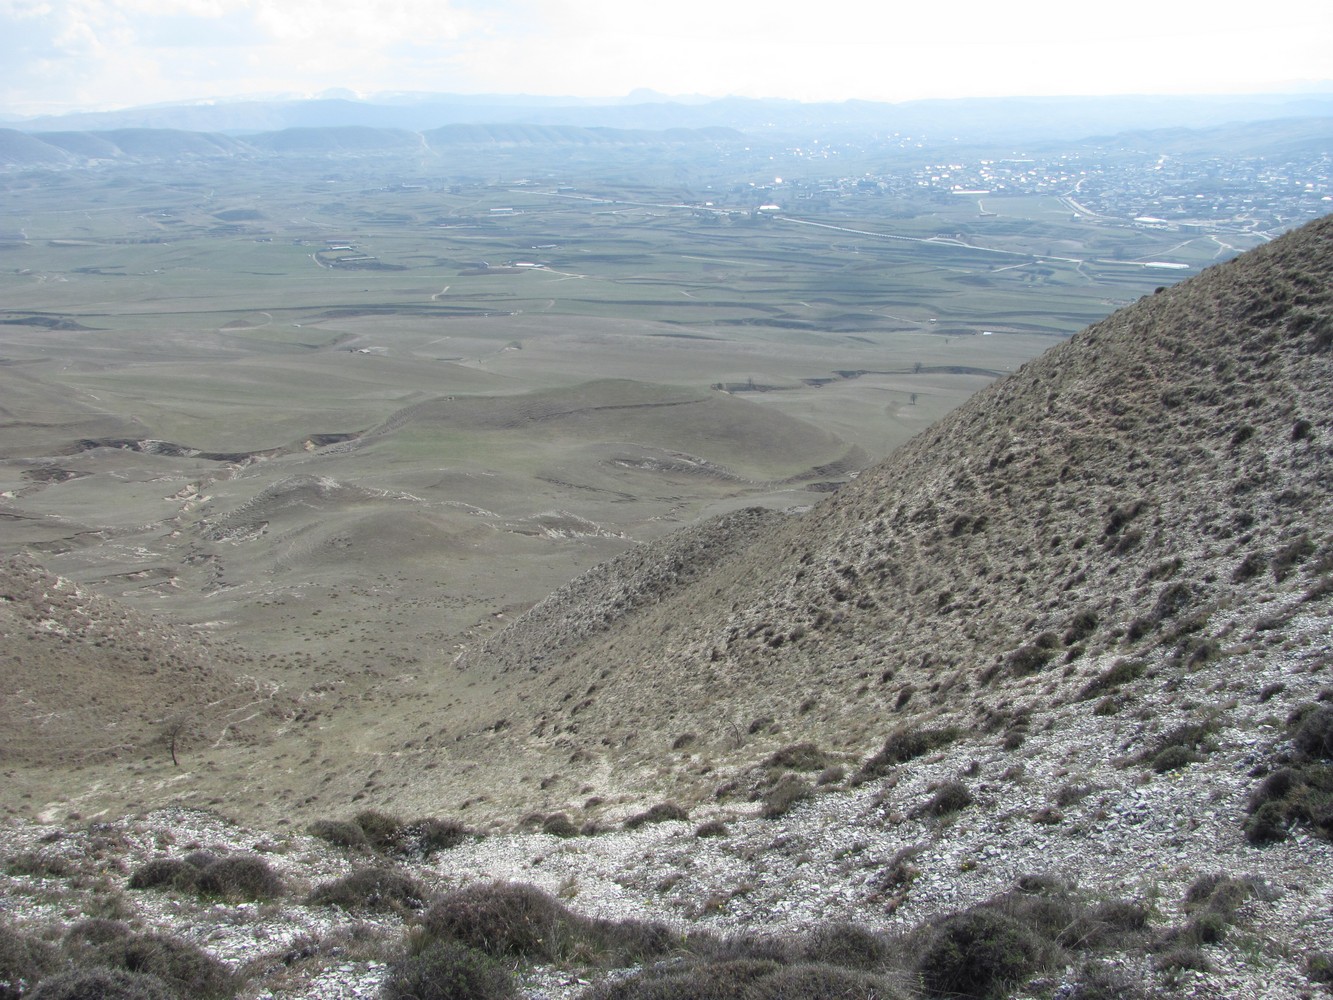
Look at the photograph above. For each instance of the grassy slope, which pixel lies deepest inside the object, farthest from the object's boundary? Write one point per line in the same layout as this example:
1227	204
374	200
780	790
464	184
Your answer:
1125	476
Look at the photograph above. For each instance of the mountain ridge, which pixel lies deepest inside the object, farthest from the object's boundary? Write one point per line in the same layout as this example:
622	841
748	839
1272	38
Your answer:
1036	551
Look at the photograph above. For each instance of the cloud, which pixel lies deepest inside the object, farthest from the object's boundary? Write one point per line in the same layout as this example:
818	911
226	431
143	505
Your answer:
99	53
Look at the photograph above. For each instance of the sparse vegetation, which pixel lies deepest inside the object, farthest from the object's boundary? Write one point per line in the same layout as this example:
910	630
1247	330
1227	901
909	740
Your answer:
240	878
663	812
785	795
904	744
1299	790
510	920
376	890
447	970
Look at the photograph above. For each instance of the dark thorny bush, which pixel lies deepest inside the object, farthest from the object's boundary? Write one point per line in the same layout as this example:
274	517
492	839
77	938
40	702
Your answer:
747	979
559	825
820	982
1182	957
200	859
94	931
1173	758
984	951
1301	791
1082	625
660	813
1118	674
512	920
23	960
35	864
978	954
703	981
429	834
799	757
378	890
1314	736
185	968
1319	967
165	873
381	829
848	945
904	744
101	984
1194	738
240	878
447	970
785	795
1290	555
948	799
1031	657
342	832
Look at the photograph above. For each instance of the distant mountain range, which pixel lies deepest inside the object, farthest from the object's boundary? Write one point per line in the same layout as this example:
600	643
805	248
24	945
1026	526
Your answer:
132	145
79	147
971	120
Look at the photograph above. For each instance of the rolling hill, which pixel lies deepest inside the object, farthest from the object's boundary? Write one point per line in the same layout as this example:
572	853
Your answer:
1071	641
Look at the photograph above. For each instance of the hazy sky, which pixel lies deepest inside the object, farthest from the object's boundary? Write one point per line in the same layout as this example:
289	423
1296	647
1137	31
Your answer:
95	54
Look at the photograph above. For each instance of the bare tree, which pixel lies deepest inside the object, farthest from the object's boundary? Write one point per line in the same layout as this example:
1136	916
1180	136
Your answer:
173	730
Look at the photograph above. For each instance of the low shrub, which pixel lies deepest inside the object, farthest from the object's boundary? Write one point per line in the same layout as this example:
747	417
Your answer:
904	744
559	825
978	954
715	980
34	864
712	828
1033	656
661	813
1314	735
340	832
381	829
948	799
423	837
831	775
1319	967
447	970
848	945
513	920
377	890
94	931
1182	957
785	795
799	757
101	984
747	979
1193	737
1082	625
240	878
1300	791
23	961
186	969
1113	678
1173	758
165	873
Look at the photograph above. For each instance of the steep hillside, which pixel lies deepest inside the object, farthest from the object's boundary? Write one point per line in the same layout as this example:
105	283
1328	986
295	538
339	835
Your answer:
84	680
1156	490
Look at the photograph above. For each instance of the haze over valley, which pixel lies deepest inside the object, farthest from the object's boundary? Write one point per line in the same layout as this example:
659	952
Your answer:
737	515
